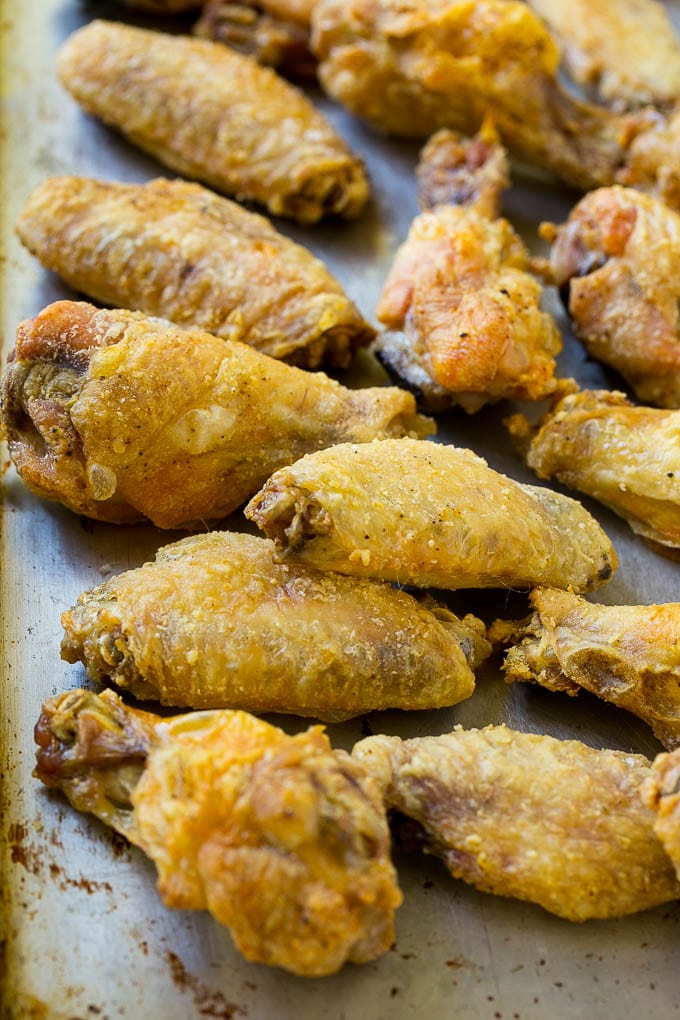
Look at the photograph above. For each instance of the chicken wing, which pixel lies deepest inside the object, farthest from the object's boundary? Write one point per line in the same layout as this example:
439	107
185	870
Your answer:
626	49
281	838
661	793
517	814
175	249
275	34
122	417
469	328
215	623
628	655
626	457
429	515
617	260
413	67
209	113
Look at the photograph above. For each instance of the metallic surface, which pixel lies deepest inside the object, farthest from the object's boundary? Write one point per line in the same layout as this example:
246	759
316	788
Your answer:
83	931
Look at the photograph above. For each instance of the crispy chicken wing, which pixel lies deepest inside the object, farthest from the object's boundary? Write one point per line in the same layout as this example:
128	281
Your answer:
175	249
432	516
209	113
281	838
629	655
661	793
215	623
627	49
469	328
415	66
518	814
617	259
122	417
275	34
626	457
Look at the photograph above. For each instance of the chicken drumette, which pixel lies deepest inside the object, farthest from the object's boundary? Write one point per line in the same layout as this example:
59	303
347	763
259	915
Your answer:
281	838
462	311
617	260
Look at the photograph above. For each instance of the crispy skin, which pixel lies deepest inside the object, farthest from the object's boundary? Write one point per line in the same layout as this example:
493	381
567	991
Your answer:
281	838
413	67
175	249
213	622
429	515
661	793
626	457
269	32
618	259
209	113
653	160
627	49
629	655
122	417
518	814
466	310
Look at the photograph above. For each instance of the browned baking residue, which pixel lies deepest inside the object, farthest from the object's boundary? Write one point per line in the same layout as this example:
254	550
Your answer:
207	1003
22	852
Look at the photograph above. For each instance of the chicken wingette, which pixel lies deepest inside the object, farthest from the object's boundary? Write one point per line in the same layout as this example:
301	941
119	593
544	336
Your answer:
429	515
210	113
524	815
122	417
625	456
177	250
214	622
627	655
617	262
626	49
462	310
413	67
281	838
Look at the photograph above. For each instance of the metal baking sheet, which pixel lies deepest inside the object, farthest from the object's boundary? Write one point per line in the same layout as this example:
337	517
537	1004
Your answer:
84	933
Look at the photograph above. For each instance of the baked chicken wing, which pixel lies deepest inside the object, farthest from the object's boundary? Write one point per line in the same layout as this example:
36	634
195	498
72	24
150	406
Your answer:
462	311
661	793
175	249
617	260
213	622
275	34
626	457
626	49
413	67
210	113
281	838
433	516
517	814
628	655
122	417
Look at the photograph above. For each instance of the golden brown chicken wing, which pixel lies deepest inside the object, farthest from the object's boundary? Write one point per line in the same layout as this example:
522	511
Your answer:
212	114
661	793
281	838
626	49
617	259
275	34
626	457
413	67
122	417
213	622
629	655
432	516
463	314
518	814
175	249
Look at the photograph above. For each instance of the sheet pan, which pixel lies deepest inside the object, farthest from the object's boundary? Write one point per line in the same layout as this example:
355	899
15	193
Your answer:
84	933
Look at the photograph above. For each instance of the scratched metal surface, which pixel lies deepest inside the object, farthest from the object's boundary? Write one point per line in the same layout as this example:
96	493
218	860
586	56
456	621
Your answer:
84	932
